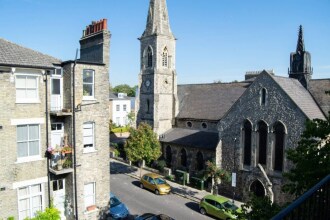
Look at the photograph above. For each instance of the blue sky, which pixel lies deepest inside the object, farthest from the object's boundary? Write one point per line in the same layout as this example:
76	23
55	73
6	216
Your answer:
217	39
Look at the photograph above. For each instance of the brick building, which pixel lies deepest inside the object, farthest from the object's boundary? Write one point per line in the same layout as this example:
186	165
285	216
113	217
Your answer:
54	129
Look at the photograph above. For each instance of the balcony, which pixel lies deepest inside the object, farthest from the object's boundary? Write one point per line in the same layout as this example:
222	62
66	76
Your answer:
57	108
61	160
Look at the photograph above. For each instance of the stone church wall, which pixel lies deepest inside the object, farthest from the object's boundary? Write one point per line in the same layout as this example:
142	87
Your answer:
278	107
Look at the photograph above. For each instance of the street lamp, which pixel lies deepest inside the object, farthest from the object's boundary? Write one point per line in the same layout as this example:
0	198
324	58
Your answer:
233	176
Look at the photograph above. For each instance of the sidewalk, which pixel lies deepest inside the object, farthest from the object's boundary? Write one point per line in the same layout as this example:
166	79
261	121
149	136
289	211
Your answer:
184	191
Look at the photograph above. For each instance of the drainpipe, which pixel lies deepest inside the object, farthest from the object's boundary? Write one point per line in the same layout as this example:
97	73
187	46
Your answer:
74	136
47	143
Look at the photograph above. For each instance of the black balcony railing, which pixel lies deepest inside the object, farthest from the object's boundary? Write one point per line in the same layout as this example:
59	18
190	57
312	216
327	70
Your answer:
314	204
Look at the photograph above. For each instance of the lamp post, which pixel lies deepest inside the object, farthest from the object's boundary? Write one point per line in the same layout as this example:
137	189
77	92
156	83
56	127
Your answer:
233	176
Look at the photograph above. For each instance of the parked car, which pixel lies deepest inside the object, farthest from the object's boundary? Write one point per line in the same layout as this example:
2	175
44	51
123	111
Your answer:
155	183
218	206
118	210
151	216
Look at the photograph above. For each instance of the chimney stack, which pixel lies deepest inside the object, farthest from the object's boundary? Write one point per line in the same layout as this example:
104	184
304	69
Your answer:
95	43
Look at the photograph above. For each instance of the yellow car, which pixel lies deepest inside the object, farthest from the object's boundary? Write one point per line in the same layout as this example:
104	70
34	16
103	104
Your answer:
155	183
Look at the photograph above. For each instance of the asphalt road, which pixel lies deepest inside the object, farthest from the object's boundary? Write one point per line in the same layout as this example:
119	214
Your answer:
140	201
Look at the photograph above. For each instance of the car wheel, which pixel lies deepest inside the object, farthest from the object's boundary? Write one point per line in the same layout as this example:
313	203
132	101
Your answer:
156	192
202	211
141	185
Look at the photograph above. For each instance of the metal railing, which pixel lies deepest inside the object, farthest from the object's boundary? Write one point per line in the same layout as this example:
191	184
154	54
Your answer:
314	204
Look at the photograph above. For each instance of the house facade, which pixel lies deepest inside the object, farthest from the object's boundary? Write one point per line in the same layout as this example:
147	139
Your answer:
245	127
54	129
120	107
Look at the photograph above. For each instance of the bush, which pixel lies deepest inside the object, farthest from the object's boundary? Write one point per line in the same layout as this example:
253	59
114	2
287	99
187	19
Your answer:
159	165
170	177
49	214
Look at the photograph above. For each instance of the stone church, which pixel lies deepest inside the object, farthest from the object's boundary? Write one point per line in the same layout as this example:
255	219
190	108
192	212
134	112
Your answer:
246	126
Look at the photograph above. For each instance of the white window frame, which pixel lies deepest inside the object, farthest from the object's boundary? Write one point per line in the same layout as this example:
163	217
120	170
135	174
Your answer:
93	194
89	97
124	107
91	148
117	108
30	197
29	158
27	99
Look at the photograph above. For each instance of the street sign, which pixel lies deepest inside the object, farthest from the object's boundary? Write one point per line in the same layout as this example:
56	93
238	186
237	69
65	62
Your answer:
233	179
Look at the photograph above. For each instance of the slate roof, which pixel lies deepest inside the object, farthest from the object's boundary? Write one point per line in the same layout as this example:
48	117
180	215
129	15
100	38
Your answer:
317	88
300	96
208	101
191	138
16	55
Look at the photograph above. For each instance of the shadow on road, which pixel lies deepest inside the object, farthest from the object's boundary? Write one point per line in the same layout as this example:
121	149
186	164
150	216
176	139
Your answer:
116	168
183	191
193	205
136	183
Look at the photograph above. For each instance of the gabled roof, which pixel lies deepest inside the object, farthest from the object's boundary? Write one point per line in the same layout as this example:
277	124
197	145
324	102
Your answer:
300	96
317	88
208	101
191	138
15	55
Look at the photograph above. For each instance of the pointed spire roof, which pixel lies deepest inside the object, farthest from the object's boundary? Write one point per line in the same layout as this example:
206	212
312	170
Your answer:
157	21
300	43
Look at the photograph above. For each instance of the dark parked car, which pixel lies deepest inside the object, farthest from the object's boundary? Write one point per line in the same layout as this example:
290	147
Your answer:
151	216
118	210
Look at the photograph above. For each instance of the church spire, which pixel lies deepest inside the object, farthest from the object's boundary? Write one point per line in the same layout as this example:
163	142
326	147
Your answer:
300	62
300	44
157	21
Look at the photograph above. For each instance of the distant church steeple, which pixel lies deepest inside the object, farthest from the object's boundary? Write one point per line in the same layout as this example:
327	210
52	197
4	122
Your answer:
300	62
157	102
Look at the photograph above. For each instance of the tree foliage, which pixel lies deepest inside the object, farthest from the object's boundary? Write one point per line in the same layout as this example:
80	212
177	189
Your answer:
124	88
50	213
142	144
258	208
311	158
216	174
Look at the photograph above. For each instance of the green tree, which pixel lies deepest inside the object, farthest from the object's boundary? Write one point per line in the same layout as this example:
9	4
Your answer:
142	144
258	208
124	88
131	118
311	158
50	213
217	175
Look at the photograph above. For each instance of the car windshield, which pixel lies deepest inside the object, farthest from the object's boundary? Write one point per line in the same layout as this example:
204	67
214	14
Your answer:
114	202
159	181
230	205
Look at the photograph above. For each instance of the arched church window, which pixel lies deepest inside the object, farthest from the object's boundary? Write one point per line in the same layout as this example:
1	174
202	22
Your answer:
247	130
165	57
279	132
199	161
149	58
263	96
168	156
257	188
263	132
148	106
183	158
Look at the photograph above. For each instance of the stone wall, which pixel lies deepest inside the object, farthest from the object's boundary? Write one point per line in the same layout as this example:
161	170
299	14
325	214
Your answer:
13	171
93	166
278	107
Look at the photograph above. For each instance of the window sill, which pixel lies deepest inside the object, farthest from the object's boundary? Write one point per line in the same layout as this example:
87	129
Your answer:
28	160
87	151
91	211
28	102
85	98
